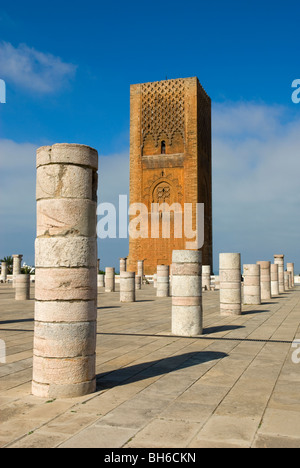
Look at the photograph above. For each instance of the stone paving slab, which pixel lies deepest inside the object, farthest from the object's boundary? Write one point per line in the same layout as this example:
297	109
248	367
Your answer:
234	386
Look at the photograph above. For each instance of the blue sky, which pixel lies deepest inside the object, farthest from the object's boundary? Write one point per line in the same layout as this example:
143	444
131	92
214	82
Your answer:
68	67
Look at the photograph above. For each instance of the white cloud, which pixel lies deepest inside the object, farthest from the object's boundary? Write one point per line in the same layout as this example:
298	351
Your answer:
113	176
247	119
256	168
35	71
256	196
17	181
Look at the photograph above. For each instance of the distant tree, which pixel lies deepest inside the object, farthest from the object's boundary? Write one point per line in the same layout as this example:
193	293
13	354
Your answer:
9	262
27	270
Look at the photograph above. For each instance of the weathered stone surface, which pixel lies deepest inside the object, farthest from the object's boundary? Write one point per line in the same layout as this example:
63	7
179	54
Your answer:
291	268
63	371
127	286
279	260
3	276
110	279
162	284
22	287
274	280
138	282
206	270
66	217
123	264
265	279
101	281
187	318
71	284
230	284
66	272
64	153
17	260
252	288
65	311
59	340
58	252
64	181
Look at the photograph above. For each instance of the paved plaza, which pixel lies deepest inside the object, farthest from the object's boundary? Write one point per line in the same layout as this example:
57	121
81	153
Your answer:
237	385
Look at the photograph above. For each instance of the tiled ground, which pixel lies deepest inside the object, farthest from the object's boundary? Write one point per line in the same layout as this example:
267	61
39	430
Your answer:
234	386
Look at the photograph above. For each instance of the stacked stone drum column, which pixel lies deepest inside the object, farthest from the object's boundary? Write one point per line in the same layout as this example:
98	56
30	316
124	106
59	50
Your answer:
290	279
123	263
290	267
140	269
110	279
162	285
100	280
274	280
17	260
252	291
230	284
187	317
138	282
206	277
265	280
3	276
217	283
66	272
279	260
127	286
22	287
286	280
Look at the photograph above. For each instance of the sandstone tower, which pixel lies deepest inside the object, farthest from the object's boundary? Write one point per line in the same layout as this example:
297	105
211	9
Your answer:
170	161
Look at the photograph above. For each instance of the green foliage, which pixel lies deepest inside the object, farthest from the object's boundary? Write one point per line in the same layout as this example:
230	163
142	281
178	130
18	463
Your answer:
9	262
27	270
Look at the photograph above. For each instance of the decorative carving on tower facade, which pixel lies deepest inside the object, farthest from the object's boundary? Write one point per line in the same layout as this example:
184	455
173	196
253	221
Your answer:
163	110
170	161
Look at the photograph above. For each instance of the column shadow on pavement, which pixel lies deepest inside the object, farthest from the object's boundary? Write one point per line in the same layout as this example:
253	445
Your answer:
156	368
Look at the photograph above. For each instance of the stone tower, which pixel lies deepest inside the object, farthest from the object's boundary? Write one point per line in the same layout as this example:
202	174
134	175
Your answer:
170	162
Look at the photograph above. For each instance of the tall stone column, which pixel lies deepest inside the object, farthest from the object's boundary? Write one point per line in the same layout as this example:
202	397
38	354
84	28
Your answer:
274	280
230	284
3	276
123	262
17	261
66	272
140	269
286	280
217	283
290	279
138	283
290	267
127	286
110	279
206	277
187	317
279	260
265	280
252	291
22	287
162	285
100	281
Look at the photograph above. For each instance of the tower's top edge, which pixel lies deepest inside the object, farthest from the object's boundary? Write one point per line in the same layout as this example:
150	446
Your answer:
193	78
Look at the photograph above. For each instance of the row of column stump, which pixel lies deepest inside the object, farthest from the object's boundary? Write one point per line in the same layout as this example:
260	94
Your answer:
66	276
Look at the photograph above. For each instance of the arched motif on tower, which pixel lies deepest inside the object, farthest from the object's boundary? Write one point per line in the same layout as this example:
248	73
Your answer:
163	189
